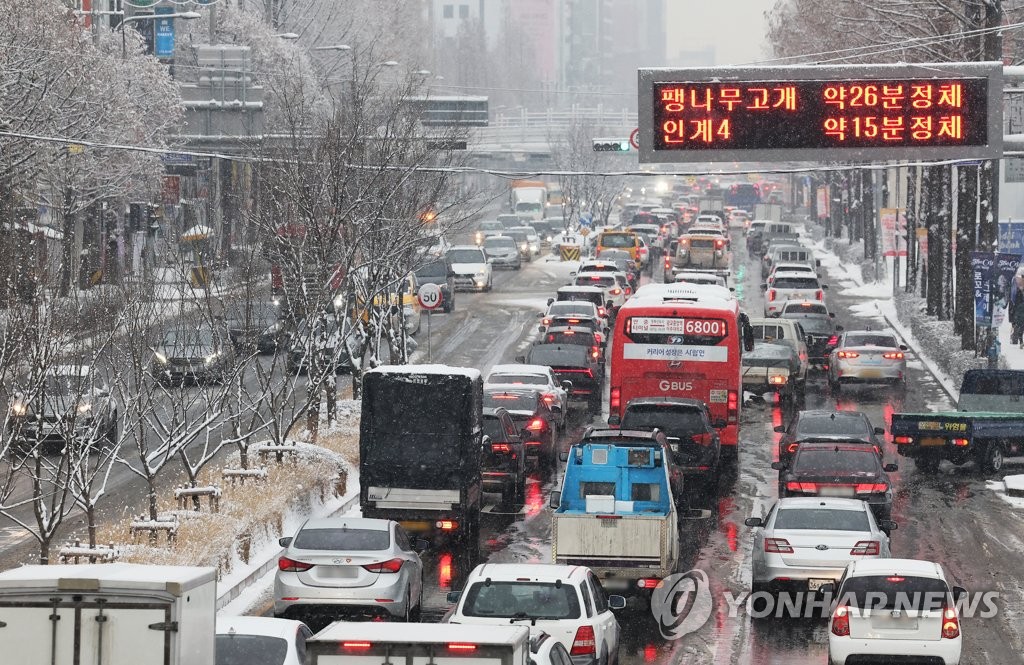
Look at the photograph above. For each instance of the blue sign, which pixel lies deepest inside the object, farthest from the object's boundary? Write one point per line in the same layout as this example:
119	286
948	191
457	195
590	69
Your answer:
1011	237
586	219
163	44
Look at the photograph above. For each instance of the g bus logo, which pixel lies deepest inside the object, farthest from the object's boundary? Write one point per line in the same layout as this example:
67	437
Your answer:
675	386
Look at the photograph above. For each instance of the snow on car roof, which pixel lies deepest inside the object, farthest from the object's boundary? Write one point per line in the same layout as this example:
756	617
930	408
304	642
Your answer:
916	567
285	629
468	372
521	369
429	633
855	505
534	572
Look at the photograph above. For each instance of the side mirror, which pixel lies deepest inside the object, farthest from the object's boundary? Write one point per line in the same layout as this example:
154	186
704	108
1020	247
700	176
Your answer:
420	545
614	420
958	592
550	300
889	468
555	499
840	329
764	287
779	466
556	408
831	315
566	385
284	542
540	315
719	423
521	360
572	274
879	430
827	589
824	287
903	347
781	429
754	522
485	442
563	456
888	524
616	602
453	597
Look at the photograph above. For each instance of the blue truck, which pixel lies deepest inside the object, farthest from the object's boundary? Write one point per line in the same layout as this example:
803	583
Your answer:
987	426
616	512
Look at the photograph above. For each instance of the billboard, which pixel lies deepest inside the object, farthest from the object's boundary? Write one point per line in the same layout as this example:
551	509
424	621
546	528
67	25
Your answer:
163	39
821	113
1011	237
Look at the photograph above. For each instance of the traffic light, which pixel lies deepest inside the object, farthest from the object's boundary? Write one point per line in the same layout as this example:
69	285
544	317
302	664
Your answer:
611	145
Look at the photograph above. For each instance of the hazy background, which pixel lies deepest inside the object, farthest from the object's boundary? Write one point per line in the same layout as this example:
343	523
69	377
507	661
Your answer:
715	32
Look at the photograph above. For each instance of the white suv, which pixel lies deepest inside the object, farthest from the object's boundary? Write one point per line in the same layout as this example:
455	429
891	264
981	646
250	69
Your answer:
566	602
471	267
894	607
785	286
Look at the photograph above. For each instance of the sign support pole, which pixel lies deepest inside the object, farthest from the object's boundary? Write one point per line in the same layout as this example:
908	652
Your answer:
428	336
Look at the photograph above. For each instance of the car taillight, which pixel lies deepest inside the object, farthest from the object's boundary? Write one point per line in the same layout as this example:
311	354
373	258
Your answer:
870	488
389	566
615	400
961	442
598	338
897	355
461	646
287	565
616	291
594	278
702	439
684	241
733	406
777	546
841	621
602	312
356	646
771	295
549	398
595	351
866	548
545	322
629	290
820	295
833	340
536	425
648	583
808	488
848	354
791	448
950	624
446	525
584	644
500	448
719	244
668	263
777	380
903	439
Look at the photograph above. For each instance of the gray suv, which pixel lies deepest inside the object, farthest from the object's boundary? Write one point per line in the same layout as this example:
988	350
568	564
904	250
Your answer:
503	252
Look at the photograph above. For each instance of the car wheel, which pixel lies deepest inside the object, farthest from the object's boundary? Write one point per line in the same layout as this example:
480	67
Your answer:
992	458
490	285
408	608
417	613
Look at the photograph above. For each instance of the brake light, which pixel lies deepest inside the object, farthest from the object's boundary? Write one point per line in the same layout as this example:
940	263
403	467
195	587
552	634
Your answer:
903	439
777	546
549	398
777	380
598	338
446	525
546	322
820	295
848	354
584	644
648	583
594	278
950	624
870	488
895	579
389	566
536	425
568	333
684	241
866	548
629	290
791	448
961	442
896	355
733	406
702	439
771	295
616	398
500	448
287	565
602	312
356	646
833	340
841	621
719	244
461	647
573	321
668	263
595	351
794	486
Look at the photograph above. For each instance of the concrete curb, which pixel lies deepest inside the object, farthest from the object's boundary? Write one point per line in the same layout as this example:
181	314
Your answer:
928	363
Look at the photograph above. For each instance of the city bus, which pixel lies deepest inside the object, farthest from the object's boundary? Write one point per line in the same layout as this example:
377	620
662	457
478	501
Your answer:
682	343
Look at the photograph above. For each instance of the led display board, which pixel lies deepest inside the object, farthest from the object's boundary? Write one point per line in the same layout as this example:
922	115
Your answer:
821	113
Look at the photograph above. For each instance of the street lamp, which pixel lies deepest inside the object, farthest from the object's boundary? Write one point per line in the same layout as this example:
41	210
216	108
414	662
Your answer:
188	16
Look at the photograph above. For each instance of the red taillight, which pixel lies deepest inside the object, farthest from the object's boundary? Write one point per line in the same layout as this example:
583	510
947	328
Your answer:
733	406
573	321
648	583
616	398
950	624
536	425
841	621
602	312
629	290
848	354
808	488
866	548
777	546
598	338
777	380
594	278
903	439
292	566
895	579
719	244
501	448
584	644
684	241
820	295
896	355
616	291
446	525
702	439
356	646
668	263
833	340
389	566
771	295
791	448
961	442
870	488
595	352
545	322
459	646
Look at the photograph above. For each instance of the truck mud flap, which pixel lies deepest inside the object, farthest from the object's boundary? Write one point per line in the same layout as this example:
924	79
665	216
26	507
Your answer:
695	514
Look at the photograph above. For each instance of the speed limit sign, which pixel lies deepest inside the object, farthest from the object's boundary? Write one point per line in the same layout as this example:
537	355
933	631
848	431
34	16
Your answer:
429	296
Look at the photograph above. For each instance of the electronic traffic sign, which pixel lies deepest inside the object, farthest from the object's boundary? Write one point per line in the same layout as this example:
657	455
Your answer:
821	113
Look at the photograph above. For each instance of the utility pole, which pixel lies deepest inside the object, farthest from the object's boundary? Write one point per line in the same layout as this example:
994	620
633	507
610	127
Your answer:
988	190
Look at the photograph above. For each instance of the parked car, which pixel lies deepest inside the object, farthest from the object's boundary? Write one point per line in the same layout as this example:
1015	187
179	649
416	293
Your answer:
246	640
864	356
824	425
536	419
471	267
829	469
894	609
803	544
198	353
73	404
503	466
440	272
352	567
566	602
503	252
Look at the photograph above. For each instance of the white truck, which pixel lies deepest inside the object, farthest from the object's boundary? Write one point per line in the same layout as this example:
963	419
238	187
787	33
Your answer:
365	643
529	198
772	211
108	614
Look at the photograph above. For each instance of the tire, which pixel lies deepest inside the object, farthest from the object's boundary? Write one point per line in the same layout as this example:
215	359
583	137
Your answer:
490	285
408	608
928	464
416	615
835	387
992	458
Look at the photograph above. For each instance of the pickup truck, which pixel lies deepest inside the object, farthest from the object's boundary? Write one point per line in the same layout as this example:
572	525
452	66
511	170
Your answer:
616	513
987	426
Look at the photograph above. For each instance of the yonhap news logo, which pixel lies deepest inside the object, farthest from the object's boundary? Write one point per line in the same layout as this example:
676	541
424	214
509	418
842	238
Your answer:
682	603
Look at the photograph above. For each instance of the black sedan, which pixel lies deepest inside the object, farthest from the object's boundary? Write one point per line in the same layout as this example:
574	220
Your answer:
256	327
819	327
503	466
198	354
822	425
827	469
534	418
692	435
571	362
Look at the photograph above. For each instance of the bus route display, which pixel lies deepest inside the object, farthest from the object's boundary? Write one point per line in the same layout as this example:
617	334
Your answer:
952	110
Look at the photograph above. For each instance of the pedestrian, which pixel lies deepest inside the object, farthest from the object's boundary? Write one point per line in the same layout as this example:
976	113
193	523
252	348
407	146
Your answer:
1017	320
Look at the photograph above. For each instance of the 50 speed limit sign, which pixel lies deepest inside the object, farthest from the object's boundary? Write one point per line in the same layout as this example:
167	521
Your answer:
429	296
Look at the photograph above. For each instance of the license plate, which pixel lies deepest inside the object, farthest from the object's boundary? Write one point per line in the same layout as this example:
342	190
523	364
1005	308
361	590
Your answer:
417	526
870	374
835	491
933	441
615	585
814	585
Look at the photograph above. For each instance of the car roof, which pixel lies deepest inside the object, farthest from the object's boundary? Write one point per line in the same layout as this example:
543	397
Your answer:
608	433
454	247
840	446
538	370
666	401
915	567
365	523
249	625
807	502
581	289
527	572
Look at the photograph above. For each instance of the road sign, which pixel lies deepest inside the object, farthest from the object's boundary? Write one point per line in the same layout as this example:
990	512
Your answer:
633	138
570	252
821	113
430	296
584	231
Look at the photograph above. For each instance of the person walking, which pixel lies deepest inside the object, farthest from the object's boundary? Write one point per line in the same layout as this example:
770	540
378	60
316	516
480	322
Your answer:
1017	320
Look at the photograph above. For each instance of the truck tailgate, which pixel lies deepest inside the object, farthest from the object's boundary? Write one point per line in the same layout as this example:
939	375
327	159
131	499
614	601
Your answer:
612	541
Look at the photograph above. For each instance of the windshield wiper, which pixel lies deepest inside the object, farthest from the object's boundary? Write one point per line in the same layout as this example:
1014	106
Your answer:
520	616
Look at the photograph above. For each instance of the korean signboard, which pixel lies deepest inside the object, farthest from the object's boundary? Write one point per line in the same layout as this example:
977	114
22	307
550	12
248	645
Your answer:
949	110
992	281
163	40
894	231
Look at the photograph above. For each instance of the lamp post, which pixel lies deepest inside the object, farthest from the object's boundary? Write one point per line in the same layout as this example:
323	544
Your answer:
150	17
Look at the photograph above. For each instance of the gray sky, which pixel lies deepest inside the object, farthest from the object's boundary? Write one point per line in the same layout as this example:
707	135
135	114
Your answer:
735	28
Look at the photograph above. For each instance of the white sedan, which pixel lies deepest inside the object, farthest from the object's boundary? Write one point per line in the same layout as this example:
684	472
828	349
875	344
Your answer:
246	640
864	356
535	376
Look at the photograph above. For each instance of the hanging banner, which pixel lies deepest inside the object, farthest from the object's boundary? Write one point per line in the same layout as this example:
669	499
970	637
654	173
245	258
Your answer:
1002	285
823	202
981	269
1011	237
894	231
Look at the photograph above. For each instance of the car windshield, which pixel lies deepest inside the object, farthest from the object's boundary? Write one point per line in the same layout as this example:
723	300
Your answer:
842	424
835	461
528	379
795	283
805	308
617	240
904	592
769	331
614	255
342	539
201	337
433	269
491	226
65	385
595	280
237	649
500	242
466	256
511	400
822	519
568	307
581	337
526	600
558	355
673	419
887	341
526	206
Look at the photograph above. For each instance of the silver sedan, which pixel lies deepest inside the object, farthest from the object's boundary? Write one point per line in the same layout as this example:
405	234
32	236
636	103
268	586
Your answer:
864	356
805	542
349	567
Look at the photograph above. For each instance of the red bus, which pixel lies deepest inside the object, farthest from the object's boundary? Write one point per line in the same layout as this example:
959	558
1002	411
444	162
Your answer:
681	345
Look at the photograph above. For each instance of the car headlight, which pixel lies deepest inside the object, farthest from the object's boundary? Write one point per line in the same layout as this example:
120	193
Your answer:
210	358
482	272
19	409
524	246
85	407
160	358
